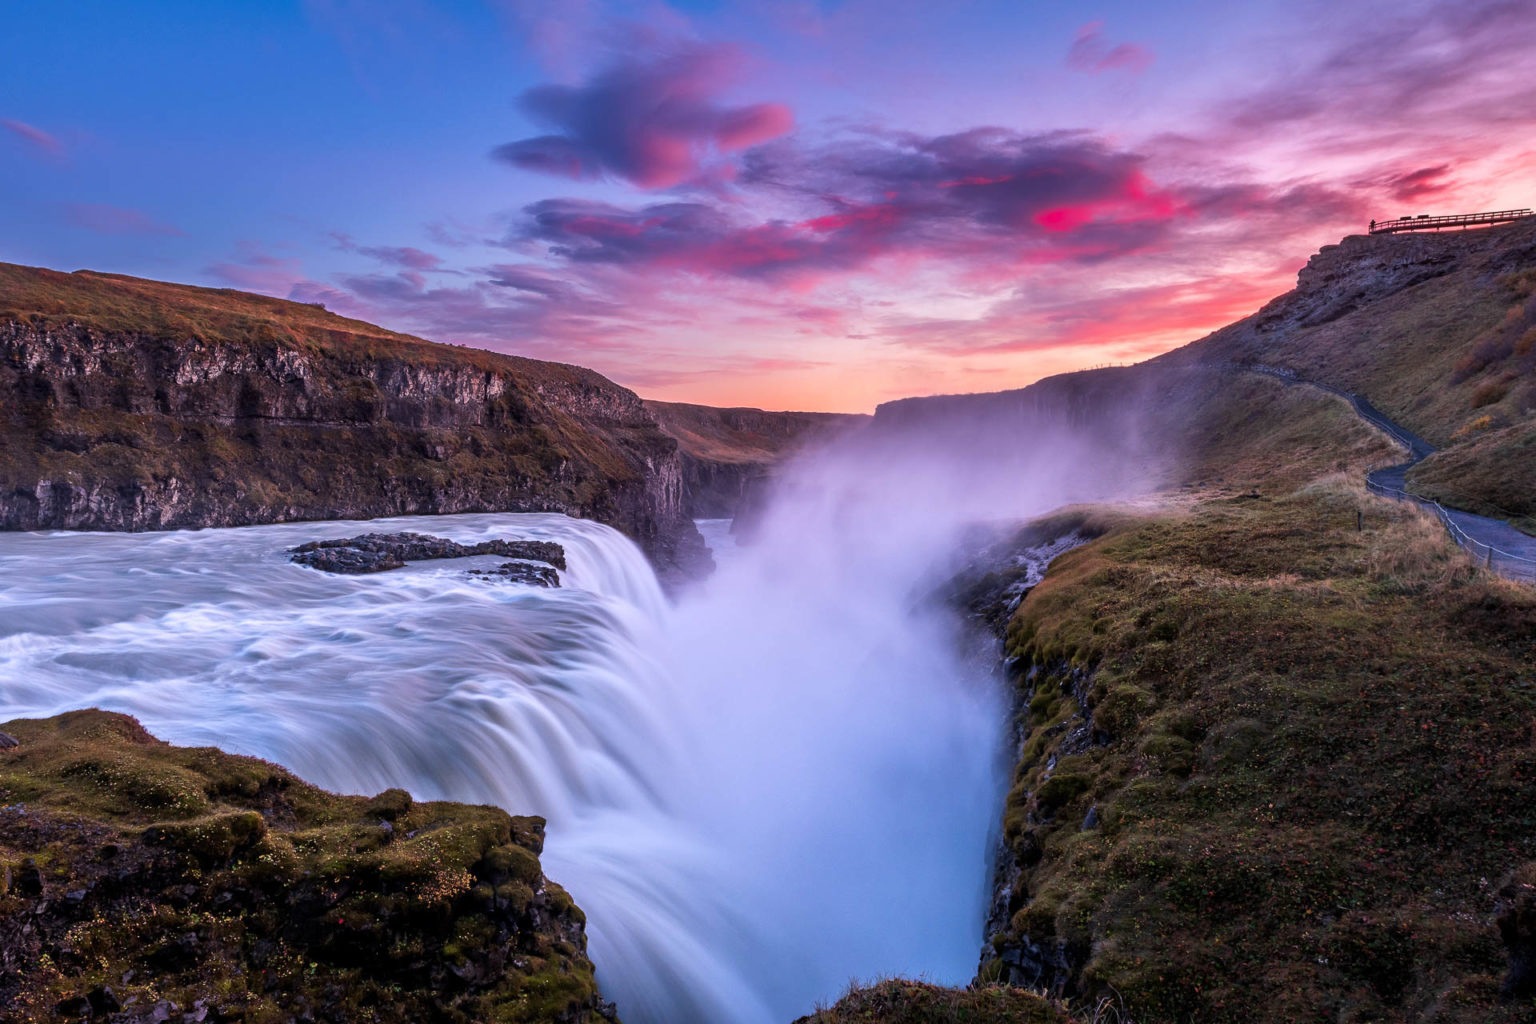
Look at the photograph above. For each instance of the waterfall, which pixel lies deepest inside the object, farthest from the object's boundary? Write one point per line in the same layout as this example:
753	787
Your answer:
781	782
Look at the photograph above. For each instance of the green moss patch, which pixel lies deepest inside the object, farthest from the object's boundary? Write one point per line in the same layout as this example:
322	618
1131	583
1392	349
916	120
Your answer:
137	873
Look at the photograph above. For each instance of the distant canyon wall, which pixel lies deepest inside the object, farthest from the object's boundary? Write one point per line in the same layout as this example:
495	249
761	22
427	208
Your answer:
729	453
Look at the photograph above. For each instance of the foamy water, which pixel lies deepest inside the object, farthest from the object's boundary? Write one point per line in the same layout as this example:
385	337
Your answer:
782	782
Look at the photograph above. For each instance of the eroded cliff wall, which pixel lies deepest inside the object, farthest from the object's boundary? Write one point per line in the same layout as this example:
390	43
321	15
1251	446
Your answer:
135	405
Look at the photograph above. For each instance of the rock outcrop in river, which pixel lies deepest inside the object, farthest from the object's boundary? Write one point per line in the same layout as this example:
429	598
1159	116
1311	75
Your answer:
380	552
136	405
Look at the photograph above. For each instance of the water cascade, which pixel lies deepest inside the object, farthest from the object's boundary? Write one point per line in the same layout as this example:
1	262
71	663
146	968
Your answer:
781	782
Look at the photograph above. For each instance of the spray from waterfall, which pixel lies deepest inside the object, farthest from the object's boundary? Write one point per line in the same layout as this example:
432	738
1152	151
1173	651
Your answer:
785	780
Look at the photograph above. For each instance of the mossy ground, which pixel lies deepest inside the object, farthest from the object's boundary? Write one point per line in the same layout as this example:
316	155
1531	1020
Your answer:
914	1002
225	889
1314	761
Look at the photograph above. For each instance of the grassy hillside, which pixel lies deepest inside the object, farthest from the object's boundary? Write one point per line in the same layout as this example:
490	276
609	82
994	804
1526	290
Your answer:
117	303
1160	426
1437	330
742	435
1491	472
159	881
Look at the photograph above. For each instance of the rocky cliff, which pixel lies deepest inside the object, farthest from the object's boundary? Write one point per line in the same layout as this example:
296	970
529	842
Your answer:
141	882
138	405
726	452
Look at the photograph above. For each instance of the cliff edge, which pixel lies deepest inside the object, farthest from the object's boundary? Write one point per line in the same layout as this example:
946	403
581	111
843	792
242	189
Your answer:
139	405
144	882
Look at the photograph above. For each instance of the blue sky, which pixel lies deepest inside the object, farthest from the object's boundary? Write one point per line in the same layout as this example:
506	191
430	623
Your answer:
818	205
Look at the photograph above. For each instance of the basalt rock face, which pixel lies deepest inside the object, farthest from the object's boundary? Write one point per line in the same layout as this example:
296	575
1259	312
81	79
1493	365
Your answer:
135	405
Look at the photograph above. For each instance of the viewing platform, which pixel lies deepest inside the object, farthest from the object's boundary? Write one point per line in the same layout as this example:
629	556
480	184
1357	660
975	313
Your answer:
1424	222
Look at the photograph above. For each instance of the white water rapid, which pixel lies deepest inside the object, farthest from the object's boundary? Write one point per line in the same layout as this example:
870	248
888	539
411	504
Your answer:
785	781
755	795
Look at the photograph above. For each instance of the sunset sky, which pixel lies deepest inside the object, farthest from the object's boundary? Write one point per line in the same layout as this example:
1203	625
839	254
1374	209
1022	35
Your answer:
810	205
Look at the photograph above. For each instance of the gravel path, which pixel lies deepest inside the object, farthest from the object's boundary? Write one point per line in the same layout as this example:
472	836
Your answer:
1495	542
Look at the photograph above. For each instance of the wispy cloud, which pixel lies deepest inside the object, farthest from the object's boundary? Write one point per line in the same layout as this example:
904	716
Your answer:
39	140
105	219
1090	52
407	257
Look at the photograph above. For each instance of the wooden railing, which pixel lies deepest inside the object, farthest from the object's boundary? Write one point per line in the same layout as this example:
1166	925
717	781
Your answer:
1461	220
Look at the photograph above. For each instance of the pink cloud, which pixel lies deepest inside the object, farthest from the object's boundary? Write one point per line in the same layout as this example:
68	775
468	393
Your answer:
407	257
1421	183
33	136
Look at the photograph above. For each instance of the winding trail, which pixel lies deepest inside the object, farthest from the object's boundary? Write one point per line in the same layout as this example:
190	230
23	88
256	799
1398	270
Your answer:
1500	546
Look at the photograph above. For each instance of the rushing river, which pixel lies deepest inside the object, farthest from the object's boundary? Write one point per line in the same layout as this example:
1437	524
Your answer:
781	782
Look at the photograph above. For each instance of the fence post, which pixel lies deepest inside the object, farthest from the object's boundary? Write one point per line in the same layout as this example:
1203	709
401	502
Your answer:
1489	563
1359	520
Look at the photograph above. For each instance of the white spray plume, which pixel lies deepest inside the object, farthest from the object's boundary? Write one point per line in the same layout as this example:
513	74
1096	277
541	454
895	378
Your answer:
786	780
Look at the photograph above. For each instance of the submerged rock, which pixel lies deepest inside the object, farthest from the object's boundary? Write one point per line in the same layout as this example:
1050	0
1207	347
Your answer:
380	552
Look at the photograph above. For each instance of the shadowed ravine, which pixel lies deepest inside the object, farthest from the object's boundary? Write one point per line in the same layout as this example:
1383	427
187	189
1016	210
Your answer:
755	795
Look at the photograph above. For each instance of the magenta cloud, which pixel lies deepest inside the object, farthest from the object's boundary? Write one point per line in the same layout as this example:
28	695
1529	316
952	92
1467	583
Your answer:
655	123
986	195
